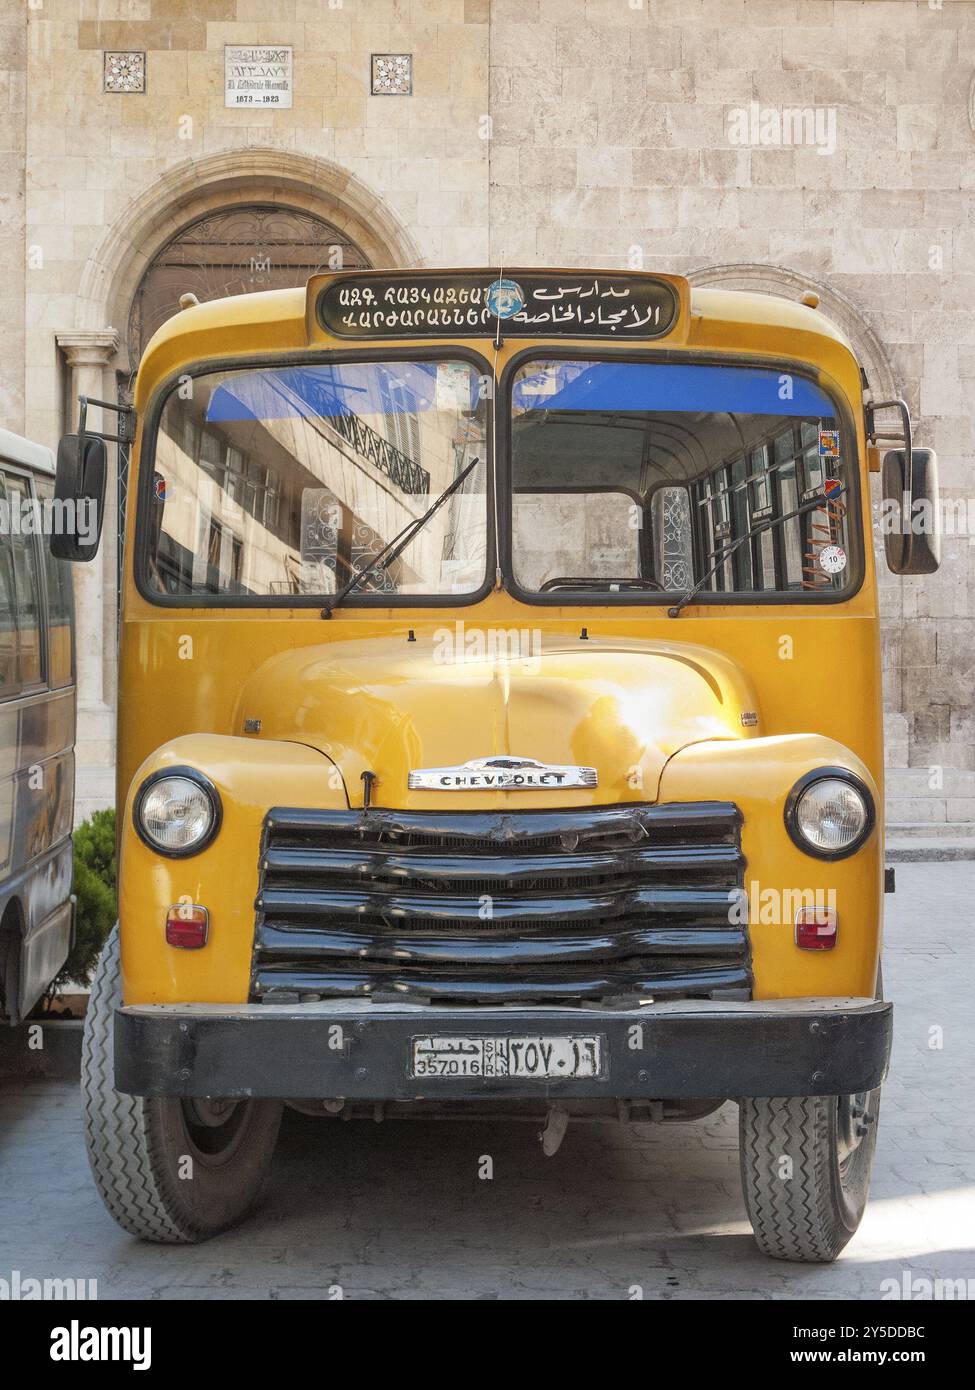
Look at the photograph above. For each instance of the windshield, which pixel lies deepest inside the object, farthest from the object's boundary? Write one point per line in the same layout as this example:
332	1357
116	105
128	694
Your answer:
284	481
630	478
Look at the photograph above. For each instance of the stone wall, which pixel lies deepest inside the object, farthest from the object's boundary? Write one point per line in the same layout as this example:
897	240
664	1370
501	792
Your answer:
598	132
614	144
13	250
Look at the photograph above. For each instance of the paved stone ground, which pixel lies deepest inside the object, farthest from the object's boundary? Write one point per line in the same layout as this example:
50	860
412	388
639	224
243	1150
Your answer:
397	1211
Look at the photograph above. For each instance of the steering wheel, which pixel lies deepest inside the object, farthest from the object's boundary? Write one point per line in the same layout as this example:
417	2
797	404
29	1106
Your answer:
625	582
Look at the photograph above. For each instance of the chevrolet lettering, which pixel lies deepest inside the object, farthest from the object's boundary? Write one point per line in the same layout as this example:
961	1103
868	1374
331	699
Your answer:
502	774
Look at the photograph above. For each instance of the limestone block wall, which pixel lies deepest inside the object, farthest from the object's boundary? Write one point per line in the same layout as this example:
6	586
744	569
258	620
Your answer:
615	143
13	249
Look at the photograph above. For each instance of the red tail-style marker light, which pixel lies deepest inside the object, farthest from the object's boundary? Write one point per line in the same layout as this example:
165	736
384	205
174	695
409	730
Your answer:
187	925
816	928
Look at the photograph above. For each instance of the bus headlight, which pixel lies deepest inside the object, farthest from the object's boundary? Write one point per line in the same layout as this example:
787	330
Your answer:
177	811
829	813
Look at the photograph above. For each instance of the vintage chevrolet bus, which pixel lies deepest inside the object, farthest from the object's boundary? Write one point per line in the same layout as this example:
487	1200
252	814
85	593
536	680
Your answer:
499	728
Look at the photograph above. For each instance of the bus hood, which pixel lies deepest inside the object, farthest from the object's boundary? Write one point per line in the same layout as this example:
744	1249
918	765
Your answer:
390	706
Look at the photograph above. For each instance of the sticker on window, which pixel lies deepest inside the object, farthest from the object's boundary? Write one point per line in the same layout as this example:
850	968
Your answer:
829	444
832	559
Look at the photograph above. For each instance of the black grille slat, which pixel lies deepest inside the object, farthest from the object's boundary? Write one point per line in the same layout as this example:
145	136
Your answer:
580	904
297	865
674	823
710	905
490	948
514	988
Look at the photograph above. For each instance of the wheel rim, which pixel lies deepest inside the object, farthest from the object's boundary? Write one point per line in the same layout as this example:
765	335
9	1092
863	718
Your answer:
855	1116
214	1127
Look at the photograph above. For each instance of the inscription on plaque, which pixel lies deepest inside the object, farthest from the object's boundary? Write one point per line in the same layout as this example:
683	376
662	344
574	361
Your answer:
258	76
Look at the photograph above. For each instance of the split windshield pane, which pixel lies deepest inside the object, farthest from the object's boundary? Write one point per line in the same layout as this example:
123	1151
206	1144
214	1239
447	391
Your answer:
278	482
637	477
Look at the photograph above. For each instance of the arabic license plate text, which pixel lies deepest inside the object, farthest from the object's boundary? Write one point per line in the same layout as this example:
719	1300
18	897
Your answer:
533	1057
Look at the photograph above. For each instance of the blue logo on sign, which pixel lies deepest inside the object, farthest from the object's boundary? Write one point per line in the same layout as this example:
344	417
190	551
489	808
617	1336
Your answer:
505	298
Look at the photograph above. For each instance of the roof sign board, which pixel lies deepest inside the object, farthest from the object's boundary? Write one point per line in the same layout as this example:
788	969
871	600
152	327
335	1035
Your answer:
473	304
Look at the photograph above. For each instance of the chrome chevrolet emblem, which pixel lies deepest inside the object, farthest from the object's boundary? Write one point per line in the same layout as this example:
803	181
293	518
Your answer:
502	773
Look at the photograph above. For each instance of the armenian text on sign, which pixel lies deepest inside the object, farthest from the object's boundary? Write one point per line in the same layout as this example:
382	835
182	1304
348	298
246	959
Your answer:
580	306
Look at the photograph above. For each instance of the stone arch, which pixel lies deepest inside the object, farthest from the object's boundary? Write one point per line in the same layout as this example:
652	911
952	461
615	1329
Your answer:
232	178
777	279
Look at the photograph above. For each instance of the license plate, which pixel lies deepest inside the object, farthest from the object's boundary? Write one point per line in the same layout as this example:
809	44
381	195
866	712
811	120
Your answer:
530	1057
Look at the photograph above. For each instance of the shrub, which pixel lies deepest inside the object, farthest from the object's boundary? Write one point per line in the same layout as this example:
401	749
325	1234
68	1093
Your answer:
95	888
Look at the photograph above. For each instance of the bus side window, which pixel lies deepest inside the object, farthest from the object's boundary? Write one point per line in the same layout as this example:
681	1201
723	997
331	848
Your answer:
60	605
28	584
8	614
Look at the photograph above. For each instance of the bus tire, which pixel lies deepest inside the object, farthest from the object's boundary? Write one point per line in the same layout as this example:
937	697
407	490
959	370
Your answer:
805	1171
170	1171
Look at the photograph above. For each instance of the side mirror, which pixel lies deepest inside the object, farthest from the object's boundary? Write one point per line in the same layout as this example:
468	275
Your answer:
79	496
911	511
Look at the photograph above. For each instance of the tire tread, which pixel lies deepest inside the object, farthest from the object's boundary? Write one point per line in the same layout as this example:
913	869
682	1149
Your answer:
794	1219
117	1134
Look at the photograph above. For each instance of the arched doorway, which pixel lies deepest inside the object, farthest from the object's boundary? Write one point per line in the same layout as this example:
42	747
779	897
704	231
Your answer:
236	250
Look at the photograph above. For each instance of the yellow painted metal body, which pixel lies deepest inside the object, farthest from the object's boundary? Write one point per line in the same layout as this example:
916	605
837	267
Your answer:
655	703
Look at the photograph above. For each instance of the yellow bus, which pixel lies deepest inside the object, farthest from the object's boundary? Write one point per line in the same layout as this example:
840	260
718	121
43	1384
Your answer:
37	728
500	730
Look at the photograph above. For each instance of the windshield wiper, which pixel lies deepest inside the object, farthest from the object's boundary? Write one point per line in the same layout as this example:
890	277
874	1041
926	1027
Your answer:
385	557
813	505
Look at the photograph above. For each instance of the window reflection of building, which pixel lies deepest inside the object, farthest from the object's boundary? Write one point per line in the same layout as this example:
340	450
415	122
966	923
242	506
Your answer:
266	481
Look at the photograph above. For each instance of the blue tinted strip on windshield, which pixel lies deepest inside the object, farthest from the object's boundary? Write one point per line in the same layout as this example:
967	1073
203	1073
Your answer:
646	386
351	388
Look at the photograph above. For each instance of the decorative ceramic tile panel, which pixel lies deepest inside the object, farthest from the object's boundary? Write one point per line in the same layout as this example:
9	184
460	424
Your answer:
125	72
392	74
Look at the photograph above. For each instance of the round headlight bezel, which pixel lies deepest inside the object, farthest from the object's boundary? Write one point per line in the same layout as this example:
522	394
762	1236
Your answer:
188	774
829	774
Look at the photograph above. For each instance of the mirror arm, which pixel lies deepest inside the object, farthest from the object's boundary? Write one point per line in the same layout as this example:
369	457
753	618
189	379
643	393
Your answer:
905	439
125	427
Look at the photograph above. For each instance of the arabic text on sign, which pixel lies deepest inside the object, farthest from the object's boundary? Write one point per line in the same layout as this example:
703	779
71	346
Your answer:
589	307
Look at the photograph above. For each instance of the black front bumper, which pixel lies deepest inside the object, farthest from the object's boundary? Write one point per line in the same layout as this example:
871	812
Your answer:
361	1050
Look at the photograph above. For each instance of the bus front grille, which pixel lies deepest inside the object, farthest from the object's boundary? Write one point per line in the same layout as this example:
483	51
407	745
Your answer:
604	905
